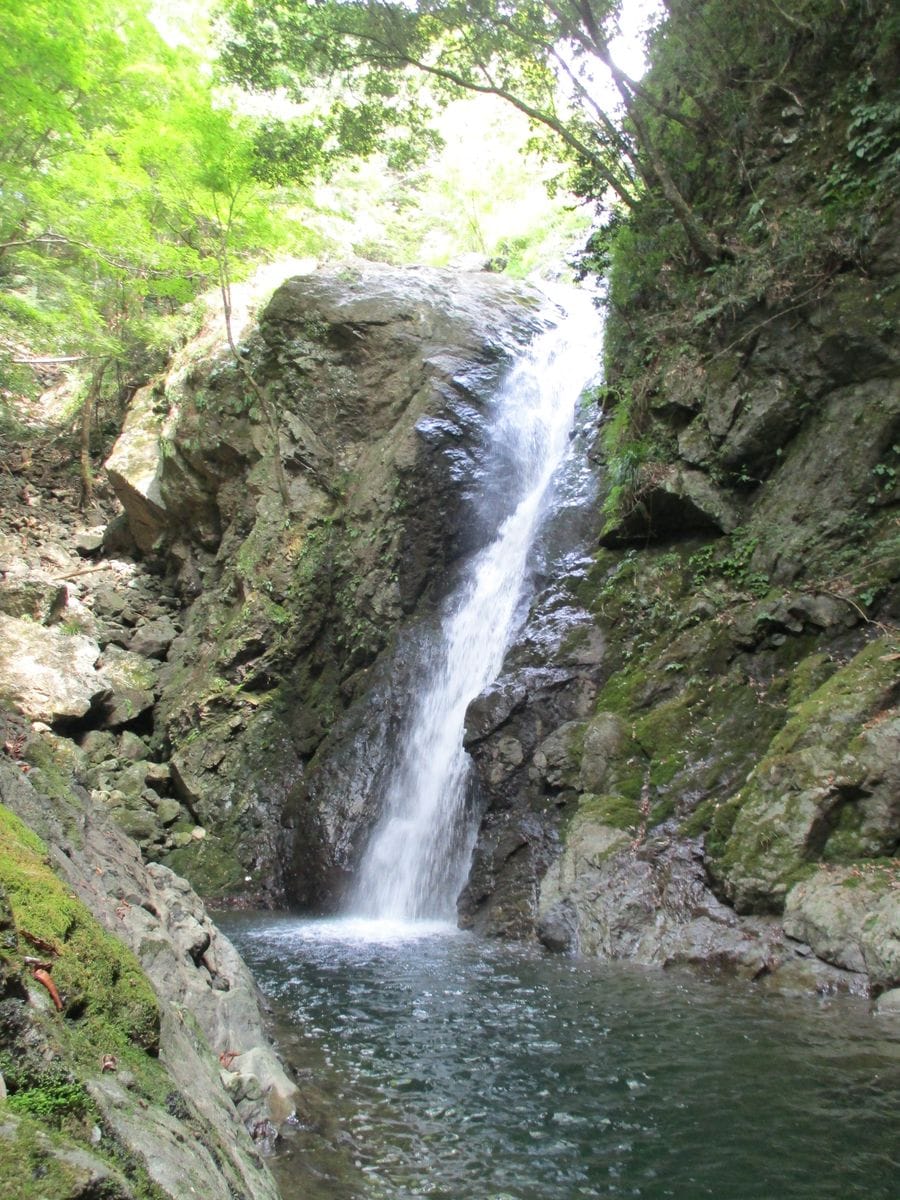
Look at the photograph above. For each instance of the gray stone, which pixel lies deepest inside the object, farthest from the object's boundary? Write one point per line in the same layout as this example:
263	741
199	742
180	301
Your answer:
614	897
132	747
829	779
100	746
604	739
82	1173
168	810
888	1004
89	541
140	824
32	598
850	916
153	638
131	683
557	757
46	674
135	465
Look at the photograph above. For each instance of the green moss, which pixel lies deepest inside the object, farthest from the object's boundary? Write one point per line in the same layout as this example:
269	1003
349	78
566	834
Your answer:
699	820
852	692
718	818
620	693
845	843
33	1165
104	990
108	1009
618	811
52	1101
212	867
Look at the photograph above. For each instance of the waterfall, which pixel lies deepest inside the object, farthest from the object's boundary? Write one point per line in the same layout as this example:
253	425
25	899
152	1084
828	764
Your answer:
418	854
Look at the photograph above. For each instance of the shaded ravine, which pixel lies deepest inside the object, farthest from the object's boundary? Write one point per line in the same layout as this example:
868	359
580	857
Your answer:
417	857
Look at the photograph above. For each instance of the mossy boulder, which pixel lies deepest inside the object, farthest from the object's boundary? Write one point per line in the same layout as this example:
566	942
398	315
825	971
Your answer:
825	760
101	983
850	916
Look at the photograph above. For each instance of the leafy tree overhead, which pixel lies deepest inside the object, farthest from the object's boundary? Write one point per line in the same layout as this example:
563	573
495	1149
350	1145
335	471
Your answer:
127	186
546	59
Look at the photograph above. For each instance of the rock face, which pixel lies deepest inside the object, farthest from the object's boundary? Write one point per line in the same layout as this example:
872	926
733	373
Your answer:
298	558
205	1003
730	756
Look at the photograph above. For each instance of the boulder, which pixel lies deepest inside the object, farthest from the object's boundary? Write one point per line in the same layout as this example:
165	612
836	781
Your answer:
153	638
613	895
827	788
89	541
134	468
46	674
850	916
131	682
557	757
32	598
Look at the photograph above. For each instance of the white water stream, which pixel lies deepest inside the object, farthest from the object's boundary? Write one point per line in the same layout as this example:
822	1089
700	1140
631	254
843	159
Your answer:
417	859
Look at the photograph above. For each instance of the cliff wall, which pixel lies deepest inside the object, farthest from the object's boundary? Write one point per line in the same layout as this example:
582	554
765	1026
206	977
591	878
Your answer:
732	796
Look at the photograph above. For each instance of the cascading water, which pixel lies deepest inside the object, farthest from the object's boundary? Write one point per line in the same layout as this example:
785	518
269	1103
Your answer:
417	857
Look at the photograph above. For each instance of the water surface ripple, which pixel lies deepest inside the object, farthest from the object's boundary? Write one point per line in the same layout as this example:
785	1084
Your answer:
464	1070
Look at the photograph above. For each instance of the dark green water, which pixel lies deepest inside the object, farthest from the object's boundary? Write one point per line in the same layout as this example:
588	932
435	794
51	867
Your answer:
442	1066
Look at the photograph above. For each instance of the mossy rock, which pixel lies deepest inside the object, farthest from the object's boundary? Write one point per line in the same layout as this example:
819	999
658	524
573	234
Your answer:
36	1164
616	811
104	992
792	804
211	865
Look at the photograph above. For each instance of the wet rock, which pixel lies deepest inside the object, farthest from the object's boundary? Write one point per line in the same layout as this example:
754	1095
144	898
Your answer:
489	710
512	852
621	898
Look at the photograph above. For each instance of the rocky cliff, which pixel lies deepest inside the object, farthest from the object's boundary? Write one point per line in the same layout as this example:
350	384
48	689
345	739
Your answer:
731	796
166	682
295	559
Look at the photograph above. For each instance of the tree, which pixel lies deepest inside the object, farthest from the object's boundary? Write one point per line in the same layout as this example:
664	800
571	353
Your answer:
543	58
127	186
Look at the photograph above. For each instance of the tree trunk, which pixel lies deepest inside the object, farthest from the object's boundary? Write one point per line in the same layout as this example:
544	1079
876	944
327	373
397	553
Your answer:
87	419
